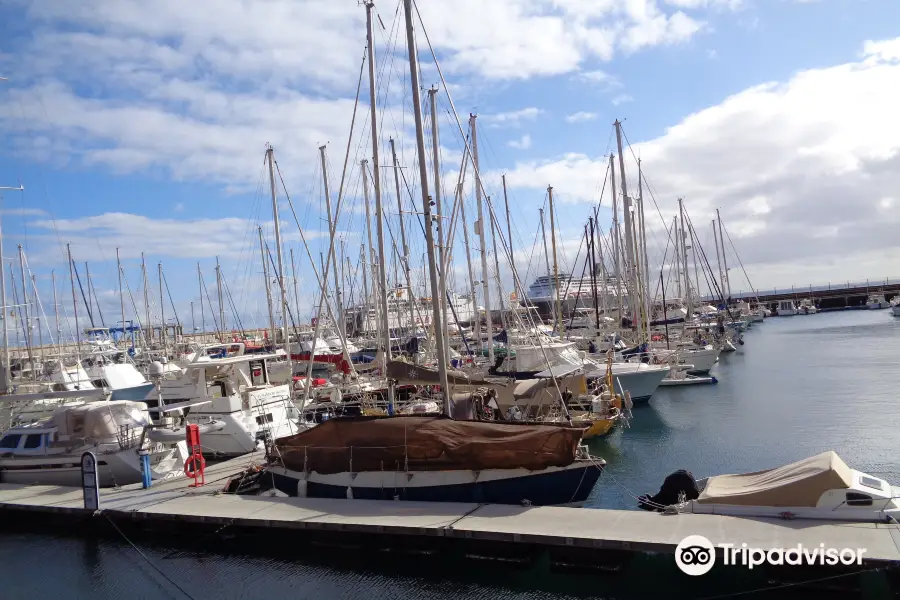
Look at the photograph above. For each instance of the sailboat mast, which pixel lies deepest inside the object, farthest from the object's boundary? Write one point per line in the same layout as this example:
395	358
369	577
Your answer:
559	321
36	302
615	234
74	298
544	238
149	333
221	300
678	239
199	283
162	312
646	262
630	270
439	329
495	229
370	258
462	213
121	297
412	316
694	243
265	266
28	335
684	259
594	273
55	309
332	227
280	264
436	158
718	261
376	179
5	309
296	290
512	257
485	276
727	282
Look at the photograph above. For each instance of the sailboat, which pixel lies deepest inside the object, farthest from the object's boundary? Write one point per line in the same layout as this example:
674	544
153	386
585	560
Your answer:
48	452
431	458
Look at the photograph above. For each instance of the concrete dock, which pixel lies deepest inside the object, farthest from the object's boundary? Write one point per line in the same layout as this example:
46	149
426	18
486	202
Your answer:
623	530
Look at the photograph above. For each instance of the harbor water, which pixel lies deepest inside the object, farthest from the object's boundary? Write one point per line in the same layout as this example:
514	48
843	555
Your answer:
799	386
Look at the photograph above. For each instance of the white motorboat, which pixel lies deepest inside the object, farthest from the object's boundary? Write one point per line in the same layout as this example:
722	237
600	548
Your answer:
234	390
700	358
786	308
807	307
49	452
819	487
525	361
123	380
877	302
895	306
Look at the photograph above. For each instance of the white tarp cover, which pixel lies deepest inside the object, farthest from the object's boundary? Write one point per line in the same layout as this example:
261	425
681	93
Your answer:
122	376
100	419
798	484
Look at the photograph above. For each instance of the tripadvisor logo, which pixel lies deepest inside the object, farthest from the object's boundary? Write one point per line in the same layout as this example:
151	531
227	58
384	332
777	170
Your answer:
696	555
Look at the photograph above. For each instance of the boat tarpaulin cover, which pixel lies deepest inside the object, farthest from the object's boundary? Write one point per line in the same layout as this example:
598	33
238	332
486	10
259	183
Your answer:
798	484
420	443
408	373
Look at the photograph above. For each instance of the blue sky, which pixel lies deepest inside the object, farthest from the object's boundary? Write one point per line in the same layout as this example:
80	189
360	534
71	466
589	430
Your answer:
143	126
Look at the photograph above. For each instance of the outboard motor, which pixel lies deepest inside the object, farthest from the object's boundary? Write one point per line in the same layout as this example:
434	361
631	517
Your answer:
672	487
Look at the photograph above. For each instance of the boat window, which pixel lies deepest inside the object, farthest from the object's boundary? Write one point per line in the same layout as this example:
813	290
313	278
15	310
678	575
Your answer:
257	372
10	441
216	389
263	419
870	482
857	499
32	441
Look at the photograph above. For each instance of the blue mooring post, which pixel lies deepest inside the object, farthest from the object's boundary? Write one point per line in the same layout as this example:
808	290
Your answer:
145	469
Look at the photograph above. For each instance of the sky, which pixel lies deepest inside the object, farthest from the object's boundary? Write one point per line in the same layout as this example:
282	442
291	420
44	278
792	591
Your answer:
143	127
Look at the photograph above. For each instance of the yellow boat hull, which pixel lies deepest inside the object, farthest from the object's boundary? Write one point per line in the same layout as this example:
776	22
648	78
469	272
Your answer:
598	428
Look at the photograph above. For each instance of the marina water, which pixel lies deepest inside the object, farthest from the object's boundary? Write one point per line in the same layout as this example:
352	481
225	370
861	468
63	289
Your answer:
800	385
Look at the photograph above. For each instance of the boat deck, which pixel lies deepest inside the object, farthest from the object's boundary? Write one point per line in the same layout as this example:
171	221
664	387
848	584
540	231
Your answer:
630	531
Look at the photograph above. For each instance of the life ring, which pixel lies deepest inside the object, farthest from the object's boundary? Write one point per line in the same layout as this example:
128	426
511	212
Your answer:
189	466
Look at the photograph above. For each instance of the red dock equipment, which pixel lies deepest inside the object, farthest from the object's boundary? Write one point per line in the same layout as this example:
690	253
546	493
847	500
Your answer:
195	465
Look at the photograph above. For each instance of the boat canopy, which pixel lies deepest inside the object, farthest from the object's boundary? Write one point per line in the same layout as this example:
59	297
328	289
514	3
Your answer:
100	419
419	443
409	374
798	484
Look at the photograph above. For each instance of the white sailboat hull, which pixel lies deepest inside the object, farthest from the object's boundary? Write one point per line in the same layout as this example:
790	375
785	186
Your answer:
114	468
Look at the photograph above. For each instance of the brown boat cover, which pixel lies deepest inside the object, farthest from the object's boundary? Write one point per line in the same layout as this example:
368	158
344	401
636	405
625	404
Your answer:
427	443
798	484
409	374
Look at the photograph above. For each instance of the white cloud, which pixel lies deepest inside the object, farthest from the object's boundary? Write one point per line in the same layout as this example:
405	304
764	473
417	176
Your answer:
97	237
795	179
581	116
173	90
23	212
621	99
521	144
179	207
599	78
883	51
512	118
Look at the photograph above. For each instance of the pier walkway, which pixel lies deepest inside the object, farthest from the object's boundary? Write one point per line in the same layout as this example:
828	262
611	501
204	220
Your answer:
173	503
